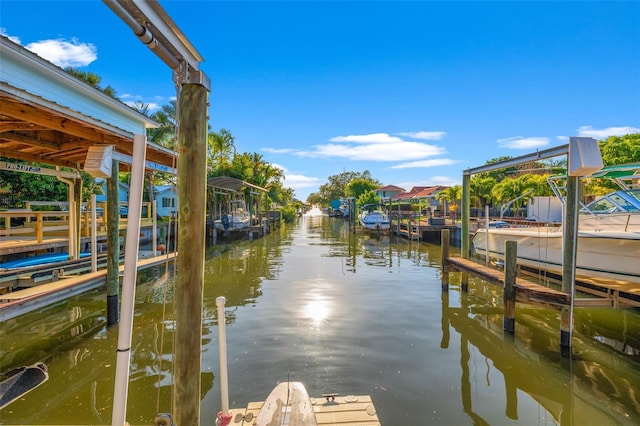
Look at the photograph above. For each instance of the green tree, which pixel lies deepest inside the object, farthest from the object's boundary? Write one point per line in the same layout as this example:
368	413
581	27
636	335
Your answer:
92	79
358	186
451	195
336	187
368	197
165	135
221	148
620	149
480	187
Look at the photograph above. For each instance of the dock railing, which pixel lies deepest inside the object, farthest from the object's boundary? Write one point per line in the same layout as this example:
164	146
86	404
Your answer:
45	222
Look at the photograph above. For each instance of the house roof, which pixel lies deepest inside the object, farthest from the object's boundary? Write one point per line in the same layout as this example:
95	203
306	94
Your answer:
418	192
390	188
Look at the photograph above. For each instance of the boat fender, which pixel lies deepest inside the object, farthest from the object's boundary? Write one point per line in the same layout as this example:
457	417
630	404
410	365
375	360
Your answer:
164	419
223	420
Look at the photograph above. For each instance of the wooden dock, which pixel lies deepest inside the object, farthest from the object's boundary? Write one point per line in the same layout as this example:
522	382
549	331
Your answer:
517	289
332	411
420	229
538	294
15	303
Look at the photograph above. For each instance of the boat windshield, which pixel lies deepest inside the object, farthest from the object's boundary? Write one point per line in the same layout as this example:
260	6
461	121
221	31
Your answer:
626	201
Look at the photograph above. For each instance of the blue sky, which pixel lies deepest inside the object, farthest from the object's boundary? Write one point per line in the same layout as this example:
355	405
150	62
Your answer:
414	92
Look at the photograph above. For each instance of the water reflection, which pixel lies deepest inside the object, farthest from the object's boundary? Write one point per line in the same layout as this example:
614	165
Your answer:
342	312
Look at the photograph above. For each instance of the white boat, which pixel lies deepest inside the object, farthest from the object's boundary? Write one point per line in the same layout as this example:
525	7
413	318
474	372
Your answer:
608	241
287	404
373	218
237	219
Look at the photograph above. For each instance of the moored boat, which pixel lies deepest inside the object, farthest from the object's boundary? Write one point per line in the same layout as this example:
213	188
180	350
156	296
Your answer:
608	240
374	218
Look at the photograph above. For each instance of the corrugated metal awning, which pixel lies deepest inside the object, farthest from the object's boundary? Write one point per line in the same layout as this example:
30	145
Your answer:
231	184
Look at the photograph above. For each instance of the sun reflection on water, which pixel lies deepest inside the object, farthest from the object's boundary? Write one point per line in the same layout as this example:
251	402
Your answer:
317	311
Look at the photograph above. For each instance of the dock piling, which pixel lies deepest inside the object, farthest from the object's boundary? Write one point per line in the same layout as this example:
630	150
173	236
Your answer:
444	242
509	293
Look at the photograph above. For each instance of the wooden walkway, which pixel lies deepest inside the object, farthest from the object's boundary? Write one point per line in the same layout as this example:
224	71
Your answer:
19	302
538	294
343	411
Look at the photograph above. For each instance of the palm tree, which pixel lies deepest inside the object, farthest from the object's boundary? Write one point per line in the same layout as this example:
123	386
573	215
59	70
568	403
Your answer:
450	195
221	146
481	187
164	135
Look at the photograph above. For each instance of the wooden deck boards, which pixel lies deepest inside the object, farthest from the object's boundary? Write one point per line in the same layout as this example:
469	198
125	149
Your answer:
530	292
344	411
19	302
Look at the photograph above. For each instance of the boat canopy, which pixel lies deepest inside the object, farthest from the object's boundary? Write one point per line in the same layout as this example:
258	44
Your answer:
619	171
623	201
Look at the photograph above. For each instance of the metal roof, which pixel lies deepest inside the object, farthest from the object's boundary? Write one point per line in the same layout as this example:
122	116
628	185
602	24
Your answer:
44	125
231	184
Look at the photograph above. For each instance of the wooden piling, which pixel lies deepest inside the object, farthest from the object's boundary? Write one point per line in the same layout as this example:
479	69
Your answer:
192	186
570	239
444	243
113	246
509	293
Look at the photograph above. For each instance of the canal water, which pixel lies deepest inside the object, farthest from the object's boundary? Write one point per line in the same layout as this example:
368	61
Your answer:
346	313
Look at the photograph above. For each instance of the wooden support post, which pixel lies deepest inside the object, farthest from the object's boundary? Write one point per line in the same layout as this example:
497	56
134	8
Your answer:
465	239
444	242
75	222
192	186
444	319
113	246
509	296
569	255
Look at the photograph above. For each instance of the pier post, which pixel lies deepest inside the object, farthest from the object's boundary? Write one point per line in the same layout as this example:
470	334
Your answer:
444	243
113	246
569	256
192	187
509	296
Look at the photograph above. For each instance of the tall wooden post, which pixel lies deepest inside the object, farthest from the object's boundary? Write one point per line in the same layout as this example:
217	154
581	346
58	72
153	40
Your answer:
509	294
77	187
192	186
113	245
570	239
444	243
465	240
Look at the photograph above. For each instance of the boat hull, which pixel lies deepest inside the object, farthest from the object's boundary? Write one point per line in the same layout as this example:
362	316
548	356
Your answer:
287	404
374	221
610	255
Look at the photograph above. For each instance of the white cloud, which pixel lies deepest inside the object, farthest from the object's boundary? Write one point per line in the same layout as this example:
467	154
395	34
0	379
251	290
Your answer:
393	151
373	147
280	150
381	138
295	181
519	142
588	131
65	53
424	135
3	32
435	162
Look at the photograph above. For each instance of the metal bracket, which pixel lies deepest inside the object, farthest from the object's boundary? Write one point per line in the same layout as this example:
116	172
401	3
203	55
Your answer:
186	74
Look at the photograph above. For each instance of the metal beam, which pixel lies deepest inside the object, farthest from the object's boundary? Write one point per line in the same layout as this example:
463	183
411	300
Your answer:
149	165
37	170
536	156
154	28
